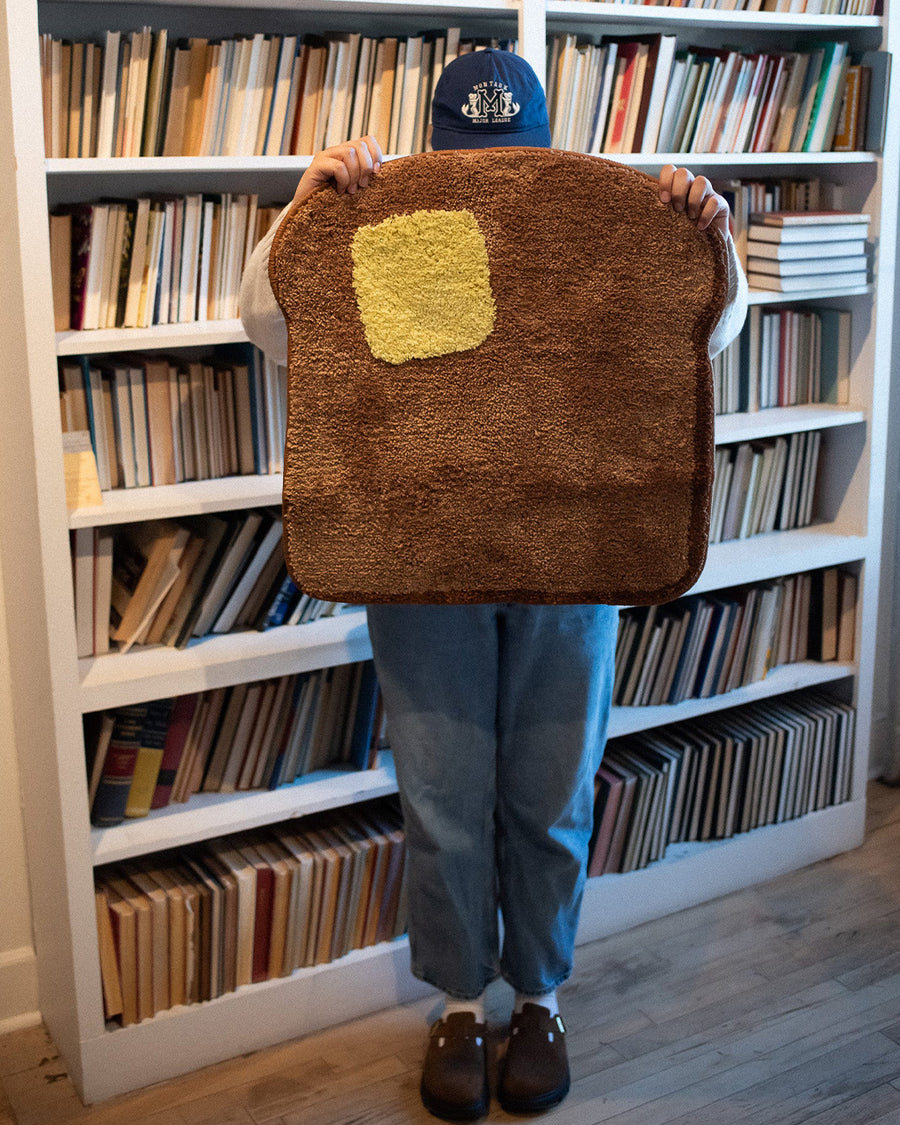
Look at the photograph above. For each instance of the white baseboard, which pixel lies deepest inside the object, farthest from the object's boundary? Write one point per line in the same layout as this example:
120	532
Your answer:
18	990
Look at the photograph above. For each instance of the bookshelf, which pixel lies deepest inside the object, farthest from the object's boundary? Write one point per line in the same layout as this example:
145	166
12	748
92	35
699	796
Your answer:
52	689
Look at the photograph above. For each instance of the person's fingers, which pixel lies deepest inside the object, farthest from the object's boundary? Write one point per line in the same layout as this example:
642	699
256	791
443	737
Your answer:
714	213
682	180
695	196
373	149
365	162
698	192
350	159
666	176
329	166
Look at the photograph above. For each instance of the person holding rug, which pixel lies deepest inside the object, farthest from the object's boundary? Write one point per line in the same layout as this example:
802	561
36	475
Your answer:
497	713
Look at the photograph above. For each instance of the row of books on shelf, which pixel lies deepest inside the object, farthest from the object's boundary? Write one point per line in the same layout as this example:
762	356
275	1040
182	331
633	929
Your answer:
153	261
133	263
188	926
146	93
807	7
764	485
719	775
791	251
166	582
157	419
704	645
785	357
268	733
228	740
644	94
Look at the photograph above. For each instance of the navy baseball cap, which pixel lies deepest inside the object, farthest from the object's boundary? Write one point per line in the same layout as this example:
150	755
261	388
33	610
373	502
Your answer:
488	99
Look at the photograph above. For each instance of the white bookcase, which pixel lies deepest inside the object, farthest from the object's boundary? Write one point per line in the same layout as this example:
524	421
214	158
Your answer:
52	689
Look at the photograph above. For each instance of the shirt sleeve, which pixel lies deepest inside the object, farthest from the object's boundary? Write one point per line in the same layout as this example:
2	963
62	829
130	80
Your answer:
735	312
261	314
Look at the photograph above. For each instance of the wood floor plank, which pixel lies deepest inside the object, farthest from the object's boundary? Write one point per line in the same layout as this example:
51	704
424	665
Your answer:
26	1049
790	1097
776	1005
879	1106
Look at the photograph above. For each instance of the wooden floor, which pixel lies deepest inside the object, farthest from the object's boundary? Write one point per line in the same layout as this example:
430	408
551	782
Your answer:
776	1005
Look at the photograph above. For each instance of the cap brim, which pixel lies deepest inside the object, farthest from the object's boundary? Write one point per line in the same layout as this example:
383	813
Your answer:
470	138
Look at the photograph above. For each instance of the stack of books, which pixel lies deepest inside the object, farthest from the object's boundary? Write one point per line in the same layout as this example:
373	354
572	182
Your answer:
789	251
719	775
232	739
192	925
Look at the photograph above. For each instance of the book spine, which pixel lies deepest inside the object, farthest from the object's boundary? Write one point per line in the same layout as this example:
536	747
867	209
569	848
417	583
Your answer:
108	808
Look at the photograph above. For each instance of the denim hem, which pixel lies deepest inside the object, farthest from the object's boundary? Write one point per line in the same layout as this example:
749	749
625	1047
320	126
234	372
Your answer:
542	988
453	993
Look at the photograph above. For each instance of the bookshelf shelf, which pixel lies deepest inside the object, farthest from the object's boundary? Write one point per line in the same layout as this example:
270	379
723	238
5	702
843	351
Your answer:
142	166
205	166
108	340
656	16
52	689
210	662
115	679
784	420
778	552
215	814
693	873
765	297
787	677
744	161
209	814
225	494
255	1016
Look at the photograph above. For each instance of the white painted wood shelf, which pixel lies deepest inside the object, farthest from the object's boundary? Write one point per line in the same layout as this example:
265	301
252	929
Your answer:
215	814
156	672
688	19
192	498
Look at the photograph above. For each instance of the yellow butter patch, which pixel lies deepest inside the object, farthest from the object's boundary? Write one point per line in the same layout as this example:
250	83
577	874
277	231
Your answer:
423	284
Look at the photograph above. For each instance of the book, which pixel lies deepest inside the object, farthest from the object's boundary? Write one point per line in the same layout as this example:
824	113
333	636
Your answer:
176	735
609	790
123	922
807	281
848	593
117	770
109	963
144	568
789	251
262	925
149	757
795	267
807	226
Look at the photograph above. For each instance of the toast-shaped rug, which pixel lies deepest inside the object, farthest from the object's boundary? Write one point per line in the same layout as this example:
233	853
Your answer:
499	383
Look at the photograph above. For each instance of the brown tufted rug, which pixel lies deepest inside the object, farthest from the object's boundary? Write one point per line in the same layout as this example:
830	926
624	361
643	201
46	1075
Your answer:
503	392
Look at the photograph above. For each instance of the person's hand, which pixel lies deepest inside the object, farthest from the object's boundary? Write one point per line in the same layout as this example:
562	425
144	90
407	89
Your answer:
348	167
695	196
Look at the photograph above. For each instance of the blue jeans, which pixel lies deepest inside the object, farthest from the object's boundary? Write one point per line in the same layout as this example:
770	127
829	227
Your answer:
497	719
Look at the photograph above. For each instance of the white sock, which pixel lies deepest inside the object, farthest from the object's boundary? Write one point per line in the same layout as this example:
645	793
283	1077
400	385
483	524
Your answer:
545	1000
451	1005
